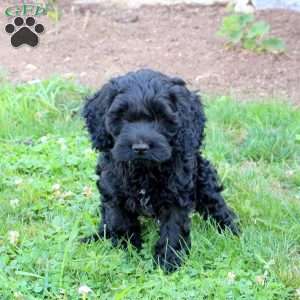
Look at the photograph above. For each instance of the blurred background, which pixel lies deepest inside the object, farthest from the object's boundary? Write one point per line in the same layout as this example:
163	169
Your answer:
92	40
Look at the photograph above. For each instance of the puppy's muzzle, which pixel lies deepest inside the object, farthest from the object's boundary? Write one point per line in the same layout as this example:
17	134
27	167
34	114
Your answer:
142	142
140	149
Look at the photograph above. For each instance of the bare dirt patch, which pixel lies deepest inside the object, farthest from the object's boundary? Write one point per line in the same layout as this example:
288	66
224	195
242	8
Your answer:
94	43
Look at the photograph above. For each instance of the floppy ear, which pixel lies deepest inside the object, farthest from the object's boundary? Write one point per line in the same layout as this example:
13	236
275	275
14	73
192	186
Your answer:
187	140
94	112
192	119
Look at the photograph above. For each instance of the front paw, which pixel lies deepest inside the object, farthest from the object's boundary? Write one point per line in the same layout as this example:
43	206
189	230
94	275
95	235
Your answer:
230	224
168	258
234	228
125	240
136	241
168	261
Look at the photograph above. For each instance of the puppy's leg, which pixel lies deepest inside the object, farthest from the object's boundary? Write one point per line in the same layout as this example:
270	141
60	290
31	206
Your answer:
174	238
119	225
210	202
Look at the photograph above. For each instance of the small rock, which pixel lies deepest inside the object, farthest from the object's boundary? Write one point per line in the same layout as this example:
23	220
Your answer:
127	19
34	81
68	75
28	142
31	68
68	58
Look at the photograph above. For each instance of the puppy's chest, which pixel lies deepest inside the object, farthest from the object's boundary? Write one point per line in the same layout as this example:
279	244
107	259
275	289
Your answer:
145	203
142	196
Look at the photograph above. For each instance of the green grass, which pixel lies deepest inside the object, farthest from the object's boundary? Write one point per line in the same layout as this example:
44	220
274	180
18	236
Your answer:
42	143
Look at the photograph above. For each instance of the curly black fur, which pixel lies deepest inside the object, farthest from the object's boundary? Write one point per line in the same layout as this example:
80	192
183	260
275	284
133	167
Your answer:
149	128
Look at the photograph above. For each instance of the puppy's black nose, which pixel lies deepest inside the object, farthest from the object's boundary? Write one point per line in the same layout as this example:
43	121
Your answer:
140	148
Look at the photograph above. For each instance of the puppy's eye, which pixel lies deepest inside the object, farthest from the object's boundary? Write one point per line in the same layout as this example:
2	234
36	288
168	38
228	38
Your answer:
139	118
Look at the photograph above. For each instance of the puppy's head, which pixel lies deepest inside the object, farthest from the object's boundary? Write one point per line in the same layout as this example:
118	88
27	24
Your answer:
143	116
142	122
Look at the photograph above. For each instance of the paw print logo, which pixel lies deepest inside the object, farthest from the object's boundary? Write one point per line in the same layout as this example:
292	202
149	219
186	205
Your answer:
24	31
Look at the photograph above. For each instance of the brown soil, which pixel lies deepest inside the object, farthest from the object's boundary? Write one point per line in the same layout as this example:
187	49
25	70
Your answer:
94	43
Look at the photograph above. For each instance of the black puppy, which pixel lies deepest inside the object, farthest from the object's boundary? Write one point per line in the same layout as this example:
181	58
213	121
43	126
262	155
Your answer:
149	128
